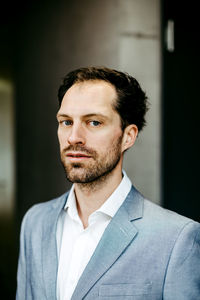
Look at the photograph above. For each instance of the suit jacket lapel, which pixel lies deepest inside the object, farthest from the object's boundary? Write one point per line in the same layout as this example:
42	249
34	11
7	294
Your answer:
49	247
117	236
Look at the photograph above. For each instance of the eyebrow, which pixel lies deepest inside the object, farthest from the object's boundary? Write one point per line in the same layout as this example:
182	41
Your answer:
62	115
84	116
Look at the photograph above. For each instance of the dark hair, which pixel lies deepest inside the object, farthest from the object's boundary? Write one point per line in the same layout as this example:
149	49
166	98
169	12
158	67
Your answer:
131	103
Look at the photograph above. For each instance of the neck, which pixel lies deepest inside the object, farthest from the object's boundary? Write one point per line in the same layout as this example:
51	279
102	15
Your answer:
91	196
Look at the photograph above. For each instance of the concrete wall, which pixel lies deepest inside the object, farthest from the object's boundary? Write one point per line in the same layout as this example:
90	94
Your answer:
139	54
56	37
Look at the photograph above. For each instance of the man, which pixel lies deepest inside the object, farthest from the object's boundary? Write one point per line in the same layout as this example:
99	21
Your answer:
102	239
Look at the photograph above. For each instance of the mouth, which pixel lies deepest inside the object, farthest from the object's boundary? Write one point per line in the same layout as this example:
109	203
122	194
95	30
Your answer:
77	156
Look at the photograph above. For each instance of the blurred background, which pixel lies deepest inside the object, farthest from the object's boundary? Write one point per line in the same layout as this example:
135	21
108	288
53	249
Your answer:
155	41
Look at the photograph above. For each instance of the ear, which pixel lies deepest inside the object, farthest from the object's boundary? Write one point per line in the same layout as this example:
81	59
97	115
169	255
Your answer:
129	137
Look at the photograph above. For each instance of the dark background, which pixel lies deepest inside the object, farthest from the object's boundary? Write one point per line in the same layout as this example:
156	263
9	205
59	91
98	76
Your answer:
181	107
35	55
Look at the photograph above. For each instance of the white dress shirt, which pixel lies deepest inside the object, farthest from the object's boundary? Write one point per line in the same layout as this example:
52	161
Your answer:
75	244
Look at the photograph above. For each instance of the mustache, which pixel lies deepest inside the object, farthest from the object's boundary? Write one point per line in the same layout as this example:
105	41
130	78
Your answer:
80	148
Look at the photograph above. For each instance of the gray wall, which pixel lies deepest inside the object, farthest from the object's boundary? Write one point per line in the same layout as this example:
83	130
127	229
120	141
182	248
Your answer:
139	54
56	37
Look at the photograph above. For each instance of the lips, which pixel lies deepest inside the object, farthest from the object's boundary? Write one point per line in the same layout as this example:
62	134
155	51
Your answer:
77	155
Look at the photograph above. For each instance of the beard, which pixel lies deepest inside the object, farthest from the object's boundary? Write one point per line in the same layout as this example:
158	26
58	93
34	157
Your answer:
97	168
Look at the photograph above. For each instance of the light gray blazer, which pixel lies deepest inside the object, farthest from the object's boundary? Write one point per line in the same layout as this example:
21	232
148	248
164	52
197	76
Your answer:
145	253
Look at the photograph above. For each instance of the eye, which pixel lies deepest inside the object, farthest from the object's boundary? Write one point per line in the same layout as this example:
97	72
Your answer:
94	123
66	122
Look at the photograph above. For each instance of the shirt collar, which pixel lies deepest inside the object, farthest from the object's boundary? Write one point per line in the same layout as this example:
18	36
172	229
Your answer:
113	203
110	206
70	205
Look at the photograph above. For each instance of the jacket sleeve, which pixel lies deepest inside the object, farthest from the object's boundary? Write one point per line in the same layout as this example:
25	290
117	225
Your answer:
182	279
21	271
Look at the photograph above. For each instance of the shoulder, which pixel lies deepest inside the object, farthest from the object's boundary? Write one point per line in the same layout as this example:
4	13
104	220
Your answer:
169	224
148	214
161	215
40	212
154	221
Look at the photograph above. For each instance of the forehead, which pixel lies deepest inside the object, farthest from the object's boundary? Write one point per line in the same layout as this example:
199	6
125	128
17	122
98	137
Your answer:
88	96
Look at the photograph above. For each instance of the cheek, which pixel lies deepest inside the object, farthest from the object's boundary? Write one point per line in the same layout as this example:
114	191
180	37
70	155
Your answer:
107	142
61	138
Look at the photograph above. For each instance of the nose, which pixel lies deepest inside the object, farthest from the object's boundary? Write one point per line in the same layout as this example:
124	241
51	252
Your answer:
76	135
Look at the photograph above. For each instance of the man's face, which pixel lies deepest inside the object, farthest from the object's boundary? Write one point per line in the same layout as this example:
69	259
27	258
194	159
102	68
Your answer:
89	131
